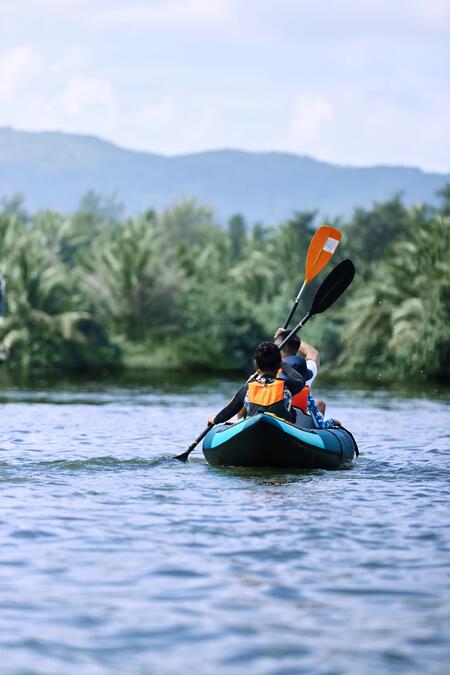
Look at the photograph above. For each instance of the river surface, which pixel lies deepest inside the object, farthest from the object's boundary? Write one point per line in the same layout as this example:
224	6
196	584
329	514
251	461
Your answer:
115	558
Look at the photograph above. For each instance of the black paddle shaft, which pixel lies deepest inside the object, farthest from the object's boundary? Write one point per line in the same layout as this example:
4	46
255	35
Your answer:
291	314
184	455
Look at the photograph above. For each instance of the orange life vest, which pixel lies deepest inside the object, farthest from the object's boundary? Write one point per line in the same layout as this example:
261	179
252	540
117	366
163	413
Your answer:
267	397
300	400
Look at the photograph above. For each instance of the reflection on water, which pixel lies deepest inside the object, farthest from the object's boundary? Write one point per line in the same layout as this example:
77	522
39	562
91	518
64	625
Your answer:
116	558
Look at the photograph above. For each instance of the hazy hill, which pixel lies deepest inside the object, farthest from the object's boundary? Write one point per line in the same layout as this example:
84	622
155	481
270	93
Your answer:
54	169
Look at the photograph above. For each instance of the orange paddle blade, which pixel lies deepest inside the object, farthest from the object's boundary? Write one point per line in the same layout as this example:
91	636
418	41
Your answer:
322	247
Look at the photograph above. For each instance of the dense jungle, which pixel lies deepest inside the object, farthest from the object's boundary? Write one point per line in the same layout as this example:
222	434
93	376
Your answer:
97	292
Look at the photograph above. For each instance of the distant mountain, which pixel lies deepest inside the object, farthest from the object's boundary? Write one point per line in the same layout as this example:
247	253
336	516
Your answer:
54	169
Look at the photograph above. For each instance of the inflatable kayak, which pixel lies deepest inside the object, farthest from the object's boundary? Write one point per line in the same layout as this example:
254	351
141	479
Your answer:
266	440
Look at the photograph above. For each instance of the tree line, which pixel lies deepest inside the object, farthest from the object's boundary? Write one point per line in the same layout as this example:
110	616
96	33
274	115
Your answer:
95	291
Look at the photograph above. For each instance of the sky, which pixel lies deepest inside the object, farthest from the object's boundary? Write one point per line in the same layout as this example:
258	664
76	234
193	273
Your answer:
354	82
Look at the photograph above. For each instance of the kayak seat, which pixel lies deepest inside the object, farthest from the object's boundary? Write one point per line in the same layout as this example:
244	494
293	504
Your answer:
303	420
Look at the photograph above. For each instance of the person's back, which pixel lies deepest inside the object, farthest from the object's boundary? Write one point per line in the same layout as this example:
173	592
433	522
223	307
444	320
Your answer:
291	357
268	390
292	354
298	363
306	360
271	389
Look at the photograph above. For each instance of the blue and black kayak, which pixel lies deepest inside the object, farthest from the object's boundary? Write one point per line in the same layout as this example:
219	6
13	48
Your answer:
266	440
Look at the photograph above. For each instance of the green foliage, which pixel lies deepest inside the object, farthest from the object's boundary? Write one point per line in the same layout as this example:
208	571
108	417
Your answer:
46	325
130	278
372	233
221	329
95	291
444	194
397	319
238	236
289	244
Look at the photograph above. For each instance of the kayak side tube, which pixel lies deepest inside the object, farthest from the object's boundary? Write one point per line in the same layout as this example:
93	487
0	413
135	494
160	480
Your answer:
266	440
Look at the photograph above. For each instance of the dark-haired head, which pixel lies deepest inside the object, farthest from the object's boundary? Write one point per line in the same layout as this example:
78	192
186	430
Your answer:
267	357
292	346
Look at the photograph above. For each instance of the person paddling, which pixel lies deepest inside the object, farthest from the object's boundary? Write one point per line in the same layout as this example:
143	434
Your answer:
298	354
271	389
336	283
305	359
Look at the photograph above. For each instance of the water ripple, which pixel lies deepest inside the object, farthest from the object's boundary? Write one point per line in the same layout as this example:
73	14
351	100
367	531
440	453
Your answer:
116	558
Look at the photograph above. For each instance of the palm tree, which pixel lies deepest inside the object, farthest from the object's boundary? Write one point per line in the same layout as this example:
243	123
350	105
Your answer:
130	280
45	323
396	317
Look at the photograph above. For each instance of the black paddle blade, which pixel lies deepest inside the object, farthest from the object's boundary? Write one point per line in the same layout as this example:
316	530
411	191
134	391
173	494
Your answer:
184	455
338	280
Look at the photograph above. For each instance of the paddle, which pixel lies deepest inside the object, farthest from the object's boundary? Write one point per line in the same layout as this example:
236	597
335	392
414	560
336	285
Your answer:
335	284
322	247
338	280
184	455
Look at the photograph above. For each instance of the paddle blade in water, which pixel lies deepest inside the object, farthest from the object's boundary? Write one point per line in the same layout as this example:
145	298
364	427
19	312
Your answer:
338	280
184	455
322	247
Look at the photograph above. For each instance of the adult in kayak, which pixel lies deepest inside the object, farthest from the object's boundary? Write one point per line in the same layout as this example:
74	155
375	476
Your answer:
271	389
301	356
305	359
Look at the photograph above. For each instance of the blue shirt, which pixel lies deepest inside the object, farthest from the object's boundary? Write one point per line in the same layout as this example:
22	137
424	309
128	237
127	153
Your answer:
298	363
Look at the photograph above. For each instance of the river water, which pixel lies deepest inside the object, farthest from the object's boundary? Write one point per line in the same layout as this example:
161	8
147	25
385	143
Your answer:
117	559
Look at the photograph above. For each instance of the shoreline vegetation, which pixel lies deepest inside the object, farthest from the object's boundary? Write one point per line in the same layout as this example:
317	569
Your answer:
96	293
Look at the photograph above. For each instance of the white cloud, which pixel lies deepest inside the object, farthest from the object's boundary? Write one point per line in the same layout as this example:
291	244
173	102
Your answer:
86	93
172	124
17	66
62	6
349	82
380	126
434	13
156	113
310	113
166	12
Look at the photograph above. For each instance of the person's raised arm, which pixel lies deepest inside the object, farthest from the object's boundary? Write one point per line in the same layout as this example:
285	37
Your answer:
309	352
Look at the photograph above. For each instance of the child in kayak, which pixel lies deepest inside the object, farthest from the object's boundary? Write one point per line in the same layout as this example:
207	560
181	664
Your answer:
270	389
